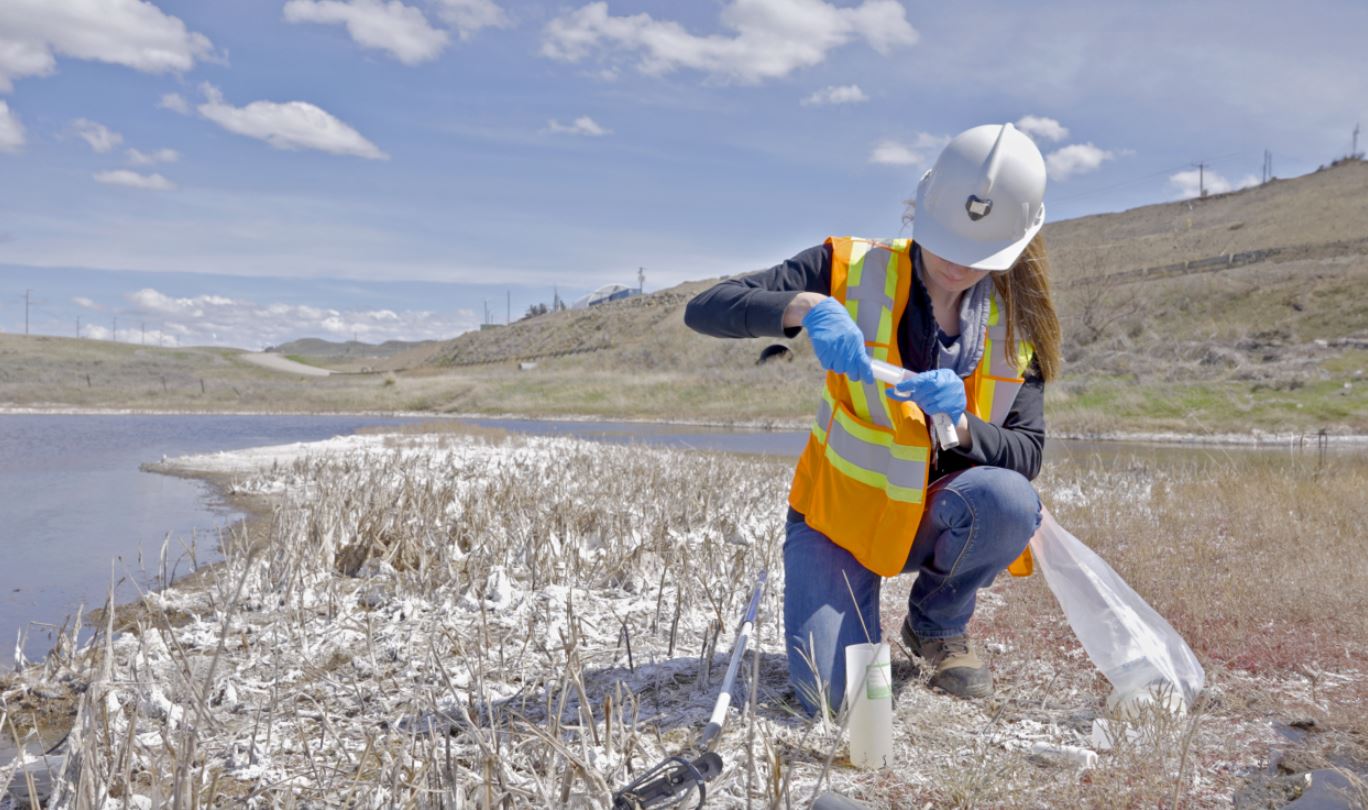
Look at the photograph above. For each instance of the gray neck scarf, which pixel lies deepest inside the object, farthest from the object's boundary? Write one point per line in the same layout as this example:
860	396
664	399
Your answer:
964	354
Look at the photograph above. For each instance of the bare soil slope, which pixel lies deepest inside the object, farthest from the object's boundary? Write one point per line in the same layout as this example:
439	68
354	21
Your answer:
1313	211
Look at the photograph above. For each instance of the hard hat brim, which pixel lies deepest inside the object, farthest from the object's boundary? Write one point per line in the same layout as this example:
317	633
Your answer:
973	253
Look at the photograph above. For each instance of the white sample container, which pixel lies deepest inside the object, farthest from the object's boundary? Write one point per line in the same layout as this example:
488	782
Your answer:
869	699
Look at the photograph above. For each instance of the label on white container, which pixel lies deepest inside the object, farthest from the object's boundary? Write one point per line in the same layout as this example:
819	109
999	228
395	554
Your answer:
879	681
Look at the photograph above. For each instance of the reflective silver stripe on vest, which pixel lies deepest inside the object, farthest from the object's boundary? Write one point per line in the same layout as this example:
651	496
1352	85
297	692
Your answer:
999	364
872	291
1004	396
876	462
824	410
872	299
878	408
1000	374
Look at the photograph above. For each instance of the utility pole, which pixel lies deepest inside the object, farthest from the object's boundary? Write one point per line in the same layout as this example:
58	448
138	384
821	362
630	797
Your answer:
508	313
78	326
144	333
27	294
1201	179
486	306
641	280
1353	152
114	333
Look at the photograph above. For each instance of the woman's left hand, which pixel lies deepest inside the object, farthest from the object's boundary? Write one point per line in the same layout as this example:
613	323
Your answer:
939	391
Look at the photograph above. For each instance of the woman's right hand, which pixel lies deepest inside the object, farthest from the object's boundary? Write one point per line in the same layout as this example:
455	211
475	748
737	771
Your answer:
837	341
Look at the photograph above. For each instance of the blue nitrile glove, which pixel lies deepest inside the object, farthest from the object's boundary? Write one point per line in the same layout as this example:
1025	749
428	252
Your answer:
838	342
939	391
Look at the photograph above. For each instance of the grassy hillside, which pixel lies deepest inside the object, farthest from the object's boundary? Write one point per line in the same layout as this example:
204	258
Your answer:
1232	313
51	371
1279	343
1275	339
350	355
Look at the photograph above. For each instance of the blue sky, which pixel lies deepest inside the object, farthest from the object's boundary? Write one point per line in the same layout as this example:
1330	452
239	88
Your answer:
253	171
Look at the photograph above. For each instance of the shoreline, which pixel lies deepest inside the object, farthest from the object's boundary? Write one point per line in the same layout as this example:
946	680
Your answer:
1252	439
56	712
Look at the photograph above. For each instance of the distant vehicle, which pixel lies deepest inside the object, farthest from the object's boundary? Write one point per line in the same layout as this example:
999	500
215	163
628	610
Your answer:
604	294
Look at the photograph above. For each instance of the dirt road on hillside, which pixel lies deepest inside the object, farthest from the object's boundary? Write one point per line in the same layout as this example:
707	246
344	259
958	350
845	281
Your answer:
277	362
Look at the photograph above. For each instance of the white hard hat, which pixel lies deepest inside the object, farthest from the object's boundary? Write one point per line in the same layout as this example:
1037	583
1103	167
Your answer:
983	200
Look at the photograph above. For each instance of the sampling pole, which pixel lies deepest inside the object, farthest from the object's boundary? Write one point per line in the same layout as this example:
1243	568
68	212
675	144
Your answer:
666	784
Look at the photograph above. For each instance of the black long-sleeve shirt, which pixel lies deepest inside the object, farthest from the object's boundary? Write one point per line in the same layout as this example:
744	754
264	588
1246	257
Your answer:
753	306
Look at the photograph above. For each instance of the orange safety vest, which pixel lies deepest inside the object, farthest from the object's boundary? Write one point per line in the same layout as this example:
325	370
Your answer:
862	477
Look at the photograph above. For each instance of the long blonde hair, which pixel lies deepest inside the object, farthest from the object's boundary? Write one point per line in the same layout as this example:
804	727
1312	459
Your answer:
1025	293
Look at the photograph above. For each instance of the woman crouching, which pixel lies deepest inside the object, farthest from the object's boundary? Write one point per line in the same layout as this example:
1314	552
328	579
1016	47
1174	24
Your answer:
965	304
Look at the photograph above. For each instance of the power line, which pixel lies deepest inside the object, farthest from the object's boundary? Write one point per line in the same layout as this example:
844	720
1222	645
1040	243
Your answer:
1138	179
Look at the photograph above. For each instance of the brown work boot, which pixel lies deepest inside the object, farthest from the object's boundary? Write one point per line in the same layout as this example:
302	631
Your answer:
956	667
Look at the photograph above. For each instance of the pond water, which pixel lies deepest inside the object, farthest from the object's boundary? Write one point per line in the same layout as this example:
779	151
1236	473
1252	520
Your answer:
74	506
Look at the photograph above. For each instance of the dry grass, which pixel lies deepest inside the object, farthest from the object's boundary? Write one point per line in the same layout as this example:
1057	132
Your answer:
453	621
1257	561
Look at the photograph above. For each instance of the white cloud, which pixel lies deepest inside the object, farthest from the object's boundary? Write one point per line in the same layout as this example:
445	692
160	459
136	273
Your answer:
11	131
205	319
401	31
150	334
584	125
1190	183
100	137
174	102
1041	128
84	303
920	152
132	33
132	179
845	94
140	158
1078	158
288	125
151	302
470	16
772	37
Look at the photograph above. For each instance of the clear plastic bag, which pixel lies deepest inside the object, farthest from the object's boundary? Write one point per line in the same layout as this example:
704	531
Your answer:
1145	659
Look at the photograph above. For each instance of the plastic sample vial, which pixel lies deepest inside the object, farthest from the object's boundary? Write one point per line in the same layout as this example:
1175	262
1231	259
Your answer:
941	427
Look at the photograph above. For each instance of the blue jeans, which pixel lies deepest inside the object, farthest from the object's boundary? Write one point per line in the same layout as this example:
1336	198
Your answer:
976	523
